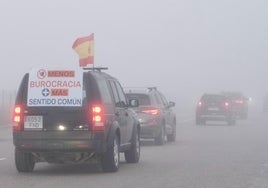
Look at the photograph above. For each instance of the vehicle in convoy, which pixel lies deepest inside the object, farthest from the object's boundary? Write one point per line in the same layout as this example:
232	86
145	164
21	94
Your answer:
155	114
215	107
73	116
239	104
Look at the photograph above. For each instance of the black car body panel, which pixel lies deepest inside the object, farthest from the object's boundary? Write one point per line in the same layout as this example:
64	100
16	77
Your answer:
73	130
239	103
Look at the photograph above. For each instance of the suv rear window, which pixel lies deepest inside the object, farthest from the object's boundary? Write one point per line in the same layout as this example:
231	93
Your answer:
143	99
212	98
104	91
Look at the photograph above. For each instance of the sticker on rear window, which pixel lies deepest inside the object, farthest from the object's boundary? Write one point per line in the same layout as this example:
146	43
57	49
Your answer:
49	87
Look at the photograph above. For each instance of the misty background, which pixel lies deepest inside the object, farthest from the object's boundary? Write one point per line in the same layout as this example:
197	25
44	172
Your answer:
184	47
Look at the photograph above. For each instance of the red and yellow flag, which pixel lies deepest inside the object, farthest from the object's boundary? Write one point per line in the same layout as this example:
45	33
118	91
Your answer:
84	47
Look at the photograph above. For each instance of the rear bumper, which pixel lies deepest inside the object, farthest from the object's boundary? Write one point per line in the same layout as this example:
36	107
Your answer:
149	131
214	117
73	141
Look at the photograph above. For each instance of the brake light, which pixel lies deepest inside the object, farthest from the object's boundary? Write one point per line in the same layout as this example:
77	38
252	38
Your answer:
226	104
151	111
199	104
97	118
17	118
239	101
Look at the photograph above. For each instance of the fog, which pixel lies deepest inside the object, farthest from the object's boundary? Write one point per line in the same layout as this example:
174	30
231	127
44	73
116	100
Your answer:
183	47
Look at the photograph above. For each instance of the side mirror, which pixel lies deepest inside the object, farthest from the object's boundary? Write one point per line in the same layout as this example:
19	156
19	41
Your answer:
133	103
171	104
249	99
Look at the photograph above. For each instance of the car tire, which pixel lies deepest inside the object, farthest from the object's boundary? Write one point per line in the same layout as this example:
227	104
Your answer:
110	159
244	116
160	139
133	154
199	121
24	161
172	137
231	121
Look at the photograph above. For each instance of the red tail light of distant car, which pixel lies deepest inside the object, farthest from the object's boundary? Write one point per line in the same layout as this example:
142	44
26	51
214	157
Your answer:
226	104
200	104
239	101
151	111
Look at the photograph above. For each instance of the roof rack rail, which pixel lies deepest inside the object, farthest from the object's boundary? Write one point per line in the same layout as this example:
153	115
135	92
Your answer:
143	88
99	69
152	88
139	89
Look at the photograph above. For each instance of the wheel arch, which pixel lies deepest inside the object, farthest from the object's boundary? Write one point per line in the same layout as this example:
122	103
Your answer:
114	130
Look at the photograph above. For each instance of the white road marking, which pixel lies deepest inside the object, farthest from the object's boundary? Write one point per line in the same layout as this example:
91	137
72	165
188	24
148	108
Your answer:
1	159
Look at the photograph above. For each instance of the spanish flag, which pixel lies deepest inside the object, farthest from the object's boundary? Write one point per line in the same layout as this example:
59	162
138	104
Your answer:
84	47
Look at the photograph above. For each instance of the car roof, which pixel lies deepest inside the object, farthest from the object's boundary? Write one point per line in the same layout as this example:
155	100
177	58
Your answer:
231	93
212	95
140	90
99	73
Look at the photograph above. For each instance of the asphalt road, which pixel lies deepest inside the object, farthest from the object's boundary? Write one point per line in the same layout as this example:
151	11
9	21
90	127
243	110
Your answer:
211	156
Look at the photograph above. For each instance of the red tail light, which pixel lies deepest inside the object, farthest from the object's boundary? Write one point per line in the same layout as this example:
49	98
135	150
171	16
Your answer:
239	101
17	118
152	111
226	104
97	118
199	104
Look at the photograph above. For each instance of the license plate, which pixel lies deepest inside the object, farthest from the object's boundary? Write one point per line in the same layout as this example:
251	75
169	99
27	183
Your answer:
33	122
213	109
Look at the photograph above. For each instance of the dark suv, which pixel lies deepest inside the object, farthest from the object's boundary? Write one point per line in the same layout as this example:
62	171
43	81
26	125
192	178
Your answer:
155	114
239	104
215	107
73	116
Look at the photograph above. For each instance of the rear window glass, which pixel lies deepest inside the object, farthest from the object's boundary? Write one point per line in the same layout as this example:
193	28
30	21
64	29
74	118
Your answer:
234	95
143	99
213	98
104	91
